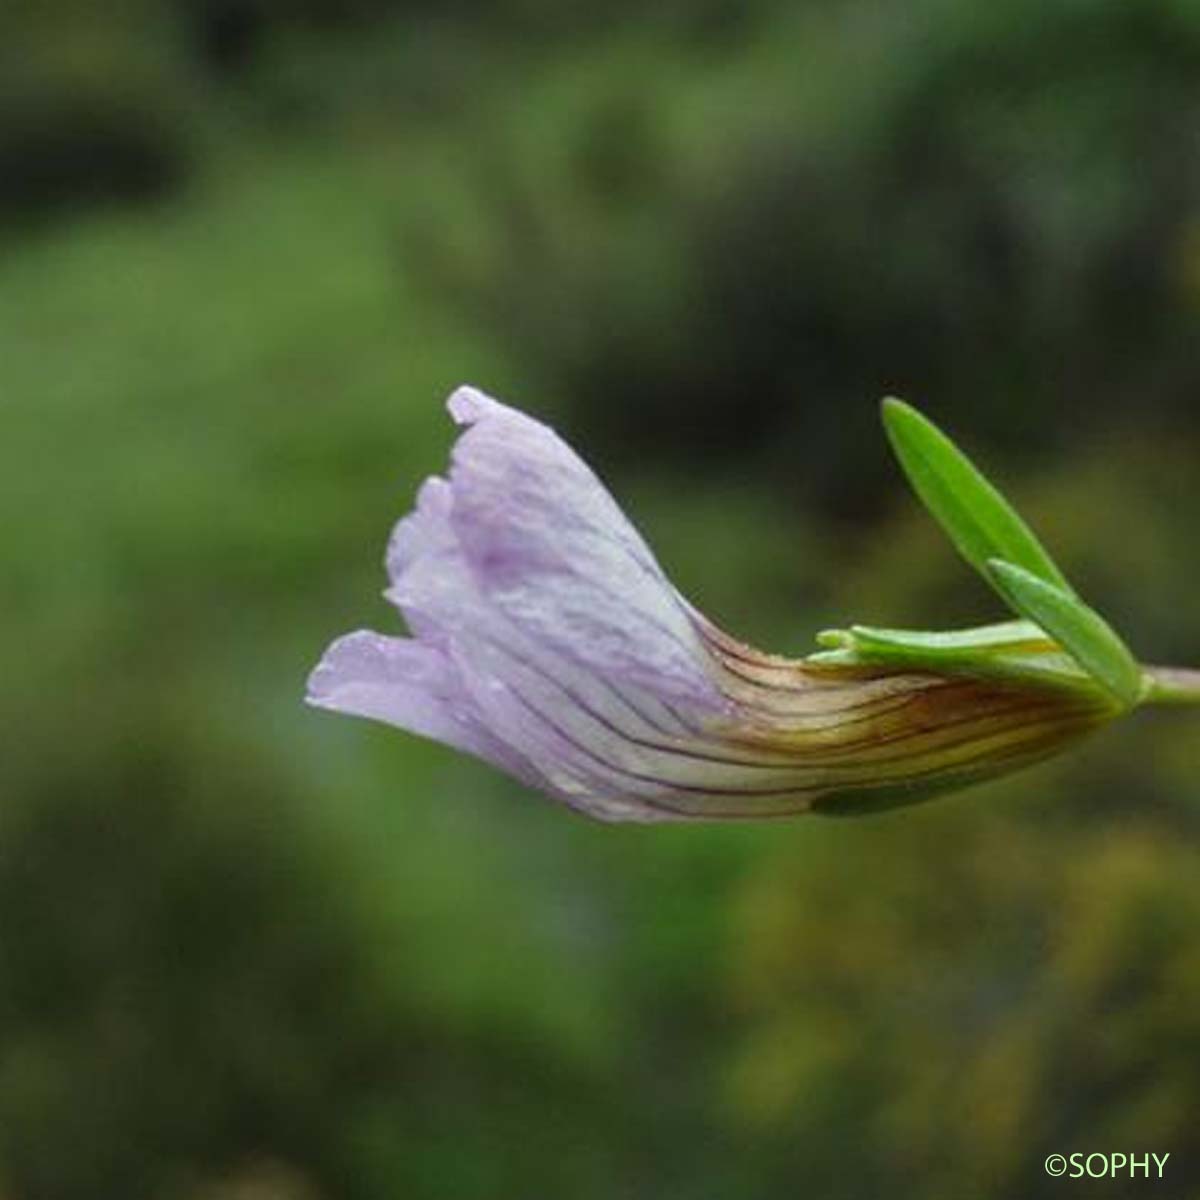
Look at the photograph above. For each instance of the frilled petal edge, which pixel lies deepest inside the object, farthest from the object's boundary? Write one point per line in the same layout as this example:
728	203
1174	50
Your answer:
413	685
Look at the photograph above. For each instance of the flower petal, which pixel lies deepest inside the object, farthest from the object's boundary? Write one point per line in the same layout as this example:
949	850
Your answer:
550	548
413	685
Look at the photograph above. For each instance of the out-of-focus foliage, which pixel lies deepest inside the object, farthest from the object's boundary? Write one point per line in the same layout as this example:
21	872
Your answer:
93	105
250	952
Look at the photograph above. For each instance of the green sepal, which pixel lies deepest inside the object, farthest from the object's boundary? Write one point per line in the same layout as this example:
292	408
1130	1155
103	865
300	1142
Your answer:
977	518
1080	630
984	640
1013	651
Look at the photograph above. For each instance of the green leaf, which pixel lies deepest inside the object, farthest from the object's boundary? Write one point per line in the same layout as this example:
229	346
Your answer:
979	521
1080	630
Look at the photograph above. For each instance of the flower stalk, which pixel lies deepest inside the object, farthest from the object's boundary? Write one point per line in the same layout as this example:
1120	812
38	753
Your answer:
1172	685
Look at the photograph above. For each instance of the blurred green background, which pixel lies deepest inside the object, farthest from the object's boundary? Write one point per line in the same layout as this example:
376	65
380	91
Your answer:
253	952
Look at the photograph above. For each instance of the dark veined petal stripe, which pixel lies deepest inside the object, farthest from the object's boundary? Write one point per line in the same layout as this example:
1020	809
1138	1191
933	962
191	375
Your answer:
863	750
798	690
711	744
788	681
990	755
782	754
659	774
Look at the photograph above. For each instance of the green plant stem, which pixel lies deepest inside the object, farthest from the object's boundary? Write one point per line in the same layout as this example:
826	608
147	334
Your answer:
1173	685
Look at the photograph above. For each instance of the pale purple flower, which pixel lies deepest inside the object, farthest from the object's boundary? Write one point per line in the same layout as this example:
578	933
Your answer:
546	639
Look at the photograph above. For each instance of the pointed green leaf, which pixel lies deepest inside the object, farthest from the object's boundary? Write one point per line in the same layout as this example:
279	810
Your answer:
1080	630
979	521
